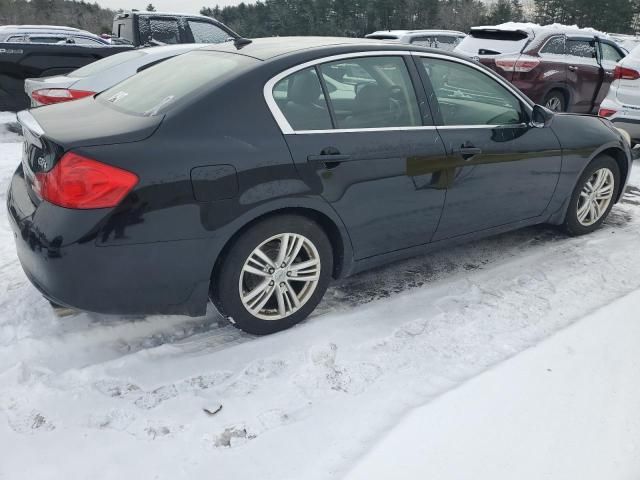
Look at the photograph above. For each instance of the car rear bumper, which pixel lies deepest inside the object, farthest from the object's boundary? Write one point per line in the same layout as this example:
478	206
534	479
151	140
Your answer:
136	279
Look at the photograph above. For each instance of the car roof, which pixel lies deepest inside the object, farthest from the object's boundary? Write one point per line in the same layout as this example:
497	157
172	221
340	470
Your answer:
145	13
414	32
536	30
22	29
270	47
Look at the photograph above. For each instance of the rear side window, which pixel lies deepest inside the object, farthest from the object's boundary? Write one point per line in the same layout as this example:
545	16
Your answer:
581	48
47	39
157	89
204	32
106	63
371	92
610	53
423	41
86	41
302	102
165	30
493	42
554	46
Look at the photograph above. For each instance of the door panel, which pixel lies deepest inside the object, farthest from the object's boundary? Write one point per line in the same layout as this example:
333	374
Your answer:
513	179
583	73
500	170
609	57
386	185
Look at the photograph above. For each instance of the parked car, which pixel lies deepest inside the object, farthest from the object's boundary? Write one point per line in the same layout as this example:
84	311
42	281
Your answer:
442	39
265	172
562	68
100	75
155	28
39	51
622	103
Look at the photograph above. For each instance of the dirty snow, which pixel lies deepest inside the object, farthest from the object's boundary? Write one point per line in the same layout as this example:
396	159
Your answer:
103	397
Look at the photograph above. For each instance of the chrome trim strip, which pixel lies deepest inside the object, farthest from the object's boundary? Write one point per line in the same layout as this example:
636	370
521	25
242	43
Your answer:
29	122
286	128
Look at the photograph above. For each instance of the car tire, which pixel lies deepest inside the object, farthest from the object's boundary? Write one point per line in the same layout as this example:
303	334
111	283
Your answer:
555	101
581	217
289	290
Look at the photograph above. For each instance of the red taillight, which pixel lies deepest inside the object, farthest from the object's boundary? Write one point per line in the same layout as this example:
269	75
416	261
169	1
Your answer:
523	63
606	112
624	73
83	183
47	96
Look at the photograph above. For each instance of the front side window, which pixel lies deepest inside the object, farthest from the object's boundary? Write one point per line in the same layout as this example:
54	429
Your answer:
466	96
554	46
300	99
204	32
371	92
164	30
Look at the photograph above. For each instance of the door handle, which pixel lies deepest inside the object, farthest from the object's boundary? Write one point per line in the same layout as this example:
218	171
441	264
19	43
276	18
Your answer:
467	151
573	68
329	158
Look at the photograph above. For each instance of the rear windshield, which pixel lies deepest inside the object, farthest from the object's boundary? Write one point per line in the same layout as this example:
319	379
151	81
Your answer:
488	42
106	63
156	90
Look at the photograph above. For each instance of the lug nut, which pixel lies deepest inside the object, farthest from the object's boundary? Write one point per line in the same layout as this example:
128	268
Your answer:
271	283
288	274
271	270
283	265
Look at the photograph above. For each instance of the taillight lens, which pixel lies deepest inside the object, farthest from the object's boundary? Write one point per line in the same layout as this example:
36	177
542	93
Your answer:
47	96
606	112
82	183
624	73
523	63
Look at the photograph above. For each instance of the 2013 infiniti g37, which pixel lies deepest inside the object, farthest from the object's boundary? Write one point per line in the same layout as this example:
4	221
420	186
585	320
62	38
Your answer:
253	174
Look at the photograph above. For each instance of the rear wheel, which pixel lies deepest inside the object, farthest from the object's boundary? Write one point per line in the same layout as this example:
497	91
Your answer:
555	101
274	275
593	196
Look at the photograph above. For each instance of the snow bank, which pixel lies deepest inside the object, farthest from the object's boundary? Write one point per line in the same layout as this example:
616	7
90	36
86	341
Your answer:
566	408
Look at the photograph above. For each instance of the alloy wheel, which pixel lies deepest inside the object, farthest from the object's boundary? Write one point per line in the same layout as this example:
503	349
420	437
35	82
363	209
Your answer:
279	276
595	197
554	104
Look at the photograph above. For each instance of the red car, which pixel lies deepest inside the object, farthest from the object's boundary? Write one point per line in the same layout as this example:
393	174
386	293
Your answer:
563	68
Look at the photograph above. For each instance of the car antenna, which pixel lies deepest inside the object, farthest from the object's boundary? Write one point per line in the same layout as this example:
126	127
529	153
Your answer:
241	42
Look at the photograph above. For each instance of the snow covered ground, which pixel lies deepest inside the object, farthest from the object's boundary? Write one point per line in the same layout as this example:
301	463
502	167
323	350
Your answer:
105	397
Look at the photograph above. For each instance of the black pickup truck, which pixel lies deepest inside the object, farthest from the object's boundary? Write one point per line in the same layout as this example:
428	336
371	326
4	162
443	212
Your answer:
40	51
30	51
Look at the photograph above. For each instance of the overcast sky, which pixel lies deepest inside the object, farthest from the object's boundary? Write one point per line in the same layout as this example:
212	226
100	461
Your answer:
186	6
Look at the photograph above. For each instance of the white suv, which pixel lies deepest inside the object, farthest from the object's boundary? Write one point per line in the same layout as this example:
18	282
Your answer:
622	103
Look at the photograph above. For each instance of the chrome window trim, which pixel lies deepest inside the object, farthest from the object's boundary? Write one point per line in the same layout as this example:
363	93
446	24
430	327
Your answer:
286	128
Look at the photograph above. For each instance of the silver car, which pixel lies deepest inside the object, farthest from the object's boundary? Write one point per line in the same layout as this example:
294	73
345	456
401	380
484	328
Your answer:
622	103
442	39
100	75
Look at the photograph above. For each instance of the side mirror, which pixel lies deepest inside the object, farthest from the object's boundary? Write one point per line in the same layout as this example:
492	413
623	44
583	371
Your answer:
541	117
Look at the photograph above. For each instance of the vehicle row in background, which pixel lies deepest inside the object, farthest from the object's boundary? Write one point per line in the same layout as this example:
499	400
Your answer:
563	68
98	76
442	39
44	51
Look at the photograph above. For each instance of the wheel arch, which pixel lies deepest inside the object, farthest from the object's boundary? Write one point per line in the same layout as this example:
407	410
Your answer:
564	90
621	159
332	226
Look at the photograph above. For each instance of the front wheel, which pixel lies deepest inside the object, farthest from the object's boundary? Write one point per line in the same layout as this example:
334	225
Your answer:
274	275
593	196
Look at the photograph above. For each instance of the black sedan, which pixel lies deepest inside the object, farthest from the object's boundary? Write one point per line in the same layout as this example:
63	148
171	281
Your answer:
253	174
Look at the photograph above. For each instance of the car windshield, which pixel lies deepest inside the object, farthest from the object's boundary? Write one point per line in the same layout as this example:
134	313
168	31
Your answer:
492	42
106	63
155	90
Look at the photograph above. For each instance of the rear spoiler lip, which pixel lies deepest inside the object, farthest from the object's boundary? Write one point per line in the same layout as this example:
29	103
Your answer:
496	30
29	122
